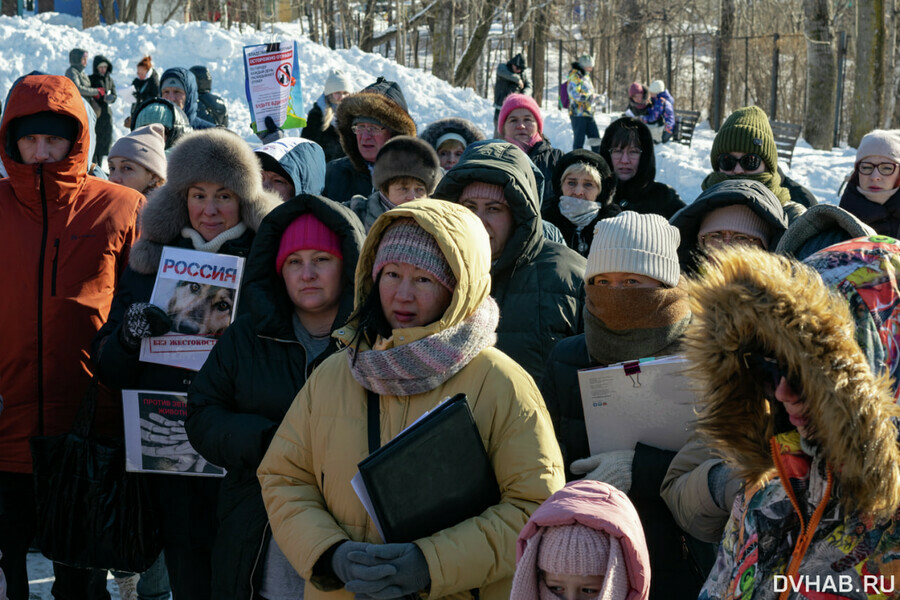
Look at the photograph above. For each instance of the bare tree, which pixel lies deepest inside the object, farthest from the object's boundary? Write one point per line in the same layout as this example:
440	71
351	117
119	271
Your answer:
632	23
724	43
821	73
865	114
469	60
90	13
442	34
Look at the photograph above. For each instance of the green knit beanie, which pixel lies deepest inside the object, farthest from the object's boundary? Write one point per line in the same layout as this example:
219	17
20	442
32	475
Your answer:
746	130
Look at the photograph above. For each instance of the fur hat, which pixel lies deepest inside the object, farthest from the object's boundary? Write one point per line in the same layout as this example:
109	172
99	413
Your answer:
145	146
514	101
880	142
337	81
466	129
746	130
382	101
738	218
586	61
657	87
216	155
635	243
404	241
405	156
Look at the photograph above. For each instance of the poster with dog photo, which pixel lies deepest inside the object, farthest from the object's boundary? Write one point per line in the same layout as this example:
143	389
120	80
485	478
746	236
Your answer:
199	292
155	439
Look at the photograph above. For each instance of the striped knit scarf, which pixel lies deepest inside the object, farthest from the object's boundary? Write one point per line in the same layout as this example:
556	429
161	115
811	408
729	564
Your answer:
424	364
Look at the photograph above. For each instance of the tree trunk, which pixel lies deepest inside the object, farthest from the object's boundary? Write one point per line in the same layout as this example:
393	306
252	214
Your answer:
868	86
469	60
442	41
9	8
821	74
368	27
541	20
90	13
724	40
630	46
108	9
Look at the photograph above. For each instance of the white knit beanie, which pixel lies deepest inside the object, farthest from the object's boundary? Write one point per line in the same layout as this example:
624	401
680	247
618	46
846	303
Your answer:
338	81
635	243
880	142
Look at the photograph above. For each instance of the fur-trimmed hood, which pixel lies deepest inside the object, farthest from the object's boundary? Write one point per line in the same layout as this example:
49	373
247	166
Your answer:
467	129
210	155
377	106
748	298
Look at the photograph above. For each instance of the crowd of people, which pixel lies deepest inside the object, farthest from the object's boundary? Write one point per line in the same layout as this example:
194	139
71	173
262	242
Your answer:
387	269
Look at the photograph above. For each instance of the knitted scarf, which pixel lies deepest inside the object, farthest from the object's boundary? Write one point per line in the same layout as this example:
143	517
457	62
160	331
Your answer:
424	364
214	244
630	323
770	180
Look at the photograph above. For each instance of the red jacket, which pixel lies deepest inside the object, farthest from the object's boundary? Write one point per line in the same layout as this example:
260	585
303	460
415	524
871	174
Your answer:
64	239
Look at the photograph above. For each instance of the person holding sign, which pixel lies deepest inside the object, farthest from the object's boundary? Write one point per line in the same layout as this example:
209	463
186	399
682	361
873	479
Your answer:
636	307
298	286
422	331
213	200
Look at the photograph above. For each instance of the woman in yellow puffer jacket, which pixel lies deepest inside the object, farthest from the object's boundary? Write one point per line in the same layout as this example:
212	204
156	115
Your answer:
427	334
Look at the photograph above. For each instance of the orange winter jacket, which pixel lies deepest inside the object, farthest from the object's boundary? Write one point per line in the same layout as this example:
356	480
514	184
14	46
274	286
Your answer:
64	241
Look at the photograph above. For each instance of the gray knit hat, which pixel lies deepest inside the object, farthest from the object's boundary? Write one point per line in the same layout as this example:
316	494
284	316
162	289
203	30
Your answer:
880	142
404	241
145	146
635	243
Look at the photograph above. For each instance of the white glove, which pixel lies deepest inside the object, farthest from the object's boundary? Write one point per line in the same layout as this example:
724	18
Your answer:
613	468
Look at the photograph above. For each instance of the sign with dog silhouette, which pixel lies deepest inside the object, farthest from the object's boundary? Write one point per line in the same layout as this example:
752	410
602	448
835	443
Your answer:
199	292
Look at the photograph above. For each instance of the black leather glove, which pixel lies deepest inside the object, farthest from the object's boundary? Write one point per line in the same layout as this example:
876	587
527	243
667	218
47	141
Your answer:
410	572
345	566
143	320
272	132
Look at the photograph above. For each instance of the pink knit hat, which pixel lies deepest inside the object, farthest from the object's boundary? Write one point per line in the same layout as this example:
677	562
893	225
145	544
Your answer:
485	191
306	232
514	101
635	88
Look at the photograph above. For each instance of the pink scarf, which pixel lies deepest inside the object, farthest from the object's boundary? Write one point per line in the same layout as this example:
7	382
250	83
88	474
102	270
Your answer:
526	148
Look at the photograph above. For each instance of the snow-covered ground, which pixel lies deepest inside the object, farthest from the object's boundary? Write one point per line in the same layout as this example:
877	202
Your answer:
43	42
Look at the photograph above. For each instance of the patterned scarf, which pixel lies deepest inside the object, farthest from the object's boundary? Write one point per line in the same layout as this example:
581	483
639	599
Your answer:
424	364
770	180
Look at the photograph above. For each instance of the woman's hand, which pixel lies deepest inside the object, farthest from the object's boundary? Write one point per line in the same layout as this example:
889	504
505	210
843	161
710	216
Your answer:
409	572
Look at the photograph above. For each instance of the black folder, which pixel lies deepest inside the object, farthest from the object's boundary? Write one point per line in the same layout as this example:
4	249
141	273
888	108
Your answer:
432	476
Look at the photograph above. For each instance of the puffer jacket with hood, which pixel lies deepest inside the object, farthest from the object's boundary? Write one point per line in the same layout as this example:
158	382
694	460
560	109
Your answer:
306	473
579	238
352	175
82	80
823	508
545	156
104	126
538	284
819	227
642	193
302	160
752	194
241	394
598	506
324	134
192	96
581	92
67	238
463	127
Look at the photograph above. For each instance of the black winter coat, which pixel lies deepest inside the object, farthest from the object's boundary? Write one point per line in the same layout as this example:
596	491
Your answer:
329	139
544	156
212	108
244	389
104	126
883	218
343	181
642	193
679	562
145	89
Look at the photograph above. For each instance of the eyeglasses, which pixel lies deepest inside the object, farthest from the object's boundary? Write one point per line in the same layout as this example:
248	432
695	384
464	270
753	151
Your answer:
748	162
633	153
867	168
724	237
367	128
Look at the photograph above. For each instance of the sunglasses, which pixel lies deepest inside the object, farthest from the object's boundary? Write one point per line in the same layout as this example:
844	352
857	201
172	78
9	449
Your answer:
867	168
748	162
768	371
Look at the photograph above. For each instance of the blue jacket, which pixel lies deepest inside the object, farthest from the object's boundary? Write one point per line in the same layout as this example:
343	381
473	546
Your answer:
192	99
302	159
660	109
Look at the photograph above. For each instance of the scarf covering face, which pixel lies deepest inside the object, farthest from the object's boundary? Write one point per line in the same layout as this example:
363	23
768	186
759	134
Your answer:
579	212
770	180
422	365
630	323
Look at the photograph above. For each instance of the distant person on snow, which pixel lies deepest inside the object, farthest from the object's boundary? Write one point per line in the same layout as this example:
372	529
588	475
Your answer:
146	85
512	78
102	79
581	104
638	100
77	63
321	122
660	115
211	107
179	86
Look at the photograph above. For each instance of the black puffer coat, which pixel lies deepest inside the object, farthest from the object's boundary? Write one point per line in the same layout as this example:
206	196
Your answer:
326	137
104	126
544	156
642	193
247	384
538	284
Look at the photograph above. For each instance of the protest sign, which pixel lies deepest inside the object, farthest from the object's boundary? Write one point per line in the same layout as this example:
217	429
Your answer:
155	440
647	401
199	292
272	82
